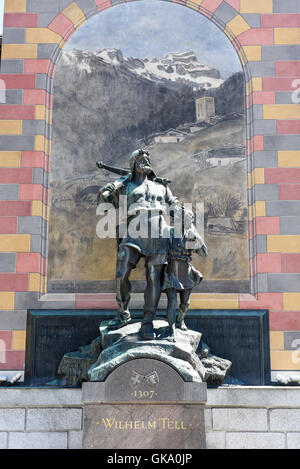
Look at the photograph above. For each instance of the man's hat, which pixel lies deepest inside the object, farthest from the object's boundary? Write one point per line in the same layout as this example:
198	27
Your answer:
134	156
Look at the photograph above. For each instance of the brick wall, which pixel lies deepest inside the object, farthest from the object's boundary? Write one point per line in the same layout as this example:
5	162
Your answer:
265	35
40	419
253	418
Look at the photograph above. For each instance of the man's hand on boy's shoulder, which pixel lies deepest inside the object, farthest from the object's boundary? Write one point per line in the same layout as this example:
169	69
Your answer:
203	251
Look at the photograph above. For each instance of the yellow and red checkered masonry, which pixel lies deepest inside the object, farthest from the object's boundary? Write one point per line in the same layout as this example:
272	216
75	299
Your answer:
266	36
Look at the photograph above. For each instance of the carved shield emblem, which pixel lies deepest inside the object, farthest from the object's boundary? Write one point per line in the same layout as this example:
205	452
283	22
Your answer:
152	378
136	379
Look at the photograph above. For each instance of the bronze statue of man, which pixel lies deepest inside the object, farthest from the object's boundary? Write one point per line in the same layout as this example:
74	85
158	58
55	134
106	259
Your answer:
148	199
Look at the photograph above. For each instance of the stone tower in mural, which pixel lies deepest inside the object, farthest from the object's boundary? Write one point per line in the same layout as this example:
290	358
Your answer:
205	108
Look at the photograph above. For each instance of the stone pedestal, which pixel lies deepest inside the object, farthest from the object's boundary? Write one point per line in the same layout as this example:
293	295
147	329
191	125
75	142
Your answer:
144	404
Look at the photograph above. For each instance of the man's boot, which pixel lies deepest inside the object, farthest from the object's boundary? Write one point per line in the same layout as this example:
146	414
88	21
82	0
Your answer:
146	329
123	316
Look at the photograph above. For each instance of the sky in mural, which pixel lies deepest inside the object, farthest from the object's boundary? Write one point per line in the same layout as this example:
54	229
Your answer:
152	29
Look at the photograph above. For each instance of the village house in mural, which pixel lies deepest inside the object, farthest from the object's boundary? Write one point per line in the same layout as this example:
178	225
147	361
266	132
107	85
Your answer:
190	118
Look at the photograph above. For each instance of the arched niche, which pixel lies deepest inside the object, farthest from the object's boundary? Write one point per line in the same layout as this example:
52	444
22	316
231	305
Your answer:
221	277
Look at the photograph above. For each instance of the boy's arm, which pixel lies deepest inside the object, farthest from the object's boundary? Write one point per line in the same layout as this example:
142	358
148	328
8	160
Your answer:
203	251
196	242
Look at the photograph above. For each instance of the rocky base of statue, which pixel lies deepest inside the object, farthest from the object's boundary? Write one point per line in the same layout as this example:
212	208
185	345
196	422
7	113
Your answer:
74	367
216	368
112	348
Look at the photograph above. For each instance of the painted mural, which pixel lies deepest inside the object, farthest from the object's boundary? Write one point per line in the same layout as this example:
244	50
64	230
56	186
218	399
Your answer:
162	77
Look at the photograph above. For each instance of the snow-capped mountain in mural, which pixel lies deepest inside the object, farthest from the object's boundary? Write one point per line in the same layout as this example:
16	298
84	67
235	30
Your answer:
105	103
181	68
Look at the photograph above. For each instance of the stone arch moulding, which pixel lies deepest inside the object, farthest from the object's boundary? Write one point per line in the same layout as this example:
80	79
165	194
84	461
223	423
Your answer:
50	41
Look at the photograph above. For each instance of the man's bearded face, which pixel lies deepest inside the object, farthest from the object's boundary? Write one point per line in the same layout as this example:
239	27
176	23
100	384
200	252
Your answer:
142	164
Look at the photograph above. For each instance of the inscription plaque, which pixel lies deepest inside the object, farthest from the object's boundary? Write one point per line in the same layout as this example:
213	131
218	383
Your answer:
143	426
52	333
138	381
144	404
241	336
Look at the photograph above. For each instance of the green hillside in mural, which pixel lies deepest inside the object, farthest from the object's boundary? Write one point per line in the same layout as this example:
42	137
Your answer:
80	255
